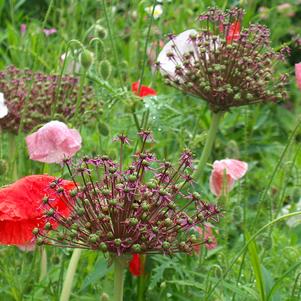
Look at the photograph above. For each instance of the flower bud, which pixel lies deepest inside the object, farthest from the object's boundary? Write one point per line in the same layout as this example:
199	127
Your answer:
104	297
105	69
86	58
100	31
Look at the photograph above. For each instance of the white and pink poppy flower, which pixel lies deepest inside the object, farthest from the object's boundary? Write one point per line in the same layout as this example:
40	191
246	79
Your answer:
224	175
3	107
207	235
53	143
71	61
172	53
298	74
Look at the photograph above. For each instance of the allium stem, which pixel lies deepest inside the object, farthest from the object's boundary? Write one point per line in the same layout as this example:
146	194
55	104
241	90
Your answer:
216	117
43	271
67	286
119	264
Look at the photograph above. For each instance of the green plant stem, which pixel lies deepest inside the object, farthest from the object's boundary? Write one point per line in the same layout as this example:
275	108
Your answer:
67	286
216	117
119	265
43	271
141	281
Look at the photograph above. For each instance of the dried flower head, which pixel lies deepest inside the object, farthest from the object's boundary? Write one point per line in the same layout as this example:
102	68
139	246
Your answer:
35	96
224	64
144	208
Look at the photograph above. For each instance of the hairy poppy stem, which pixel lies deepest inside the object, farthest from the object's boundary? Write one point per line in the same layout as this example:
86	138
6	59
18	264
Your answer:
216	117
43	263
67	286
119	264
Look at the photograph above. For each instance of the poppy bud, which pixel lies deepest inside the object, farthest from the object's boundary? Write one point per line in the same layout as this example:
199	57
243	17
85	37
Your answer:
86	58
100	31
104	297
105	69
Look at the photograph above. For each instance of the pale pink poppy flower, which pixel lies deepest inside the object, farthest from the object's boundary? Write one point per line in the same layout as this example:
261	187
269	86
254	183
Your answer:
3	106
205	234
224	174
23	28
286	9
53	143
298	74
49	32
69	59
178	45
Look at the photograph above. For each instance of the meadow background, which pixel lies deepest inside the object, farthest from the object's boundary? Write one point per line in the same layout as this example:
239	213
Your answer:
266	136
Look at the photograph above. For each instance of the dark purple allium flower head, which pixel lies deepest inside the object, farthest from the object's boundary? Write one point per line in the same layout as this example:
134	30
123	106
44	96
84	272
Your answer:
223	63
40	97
147	207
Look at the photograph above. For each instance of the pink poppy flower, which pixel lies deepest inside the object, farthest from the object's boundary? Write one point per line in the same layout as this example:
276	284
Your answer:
298	74
49	32
23	28
206	234
53	143
224	174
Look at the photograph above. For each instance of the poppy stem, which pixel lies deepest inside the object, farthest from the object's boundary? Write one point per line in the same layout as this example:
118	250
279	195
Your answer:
216	117
119	263
67	286
43	263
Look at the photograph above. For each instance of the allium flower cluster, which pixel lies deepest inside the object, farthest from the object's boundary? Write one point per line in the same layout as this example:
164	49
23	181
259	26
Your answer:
224	64
40	95
144	208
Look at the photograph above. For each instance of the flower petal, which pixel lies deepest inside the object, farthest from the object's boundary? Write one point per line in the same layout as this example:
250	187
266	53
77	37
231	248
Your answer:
144	90
3	107
224	174
298	74
53	142
21	208
179	45
135	266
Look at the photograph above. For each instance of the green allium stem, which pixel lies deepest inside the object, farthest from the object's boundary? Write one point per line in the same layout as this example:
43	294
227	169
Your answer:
141	281
119	264
43	271
216	117
67	286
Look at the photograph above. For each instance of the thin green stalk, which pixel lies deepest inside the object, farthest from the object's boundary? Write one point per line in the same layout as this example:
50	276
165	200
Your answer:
80	93
216	117
67	286
141	281
43	271
145	46
119	265
245	247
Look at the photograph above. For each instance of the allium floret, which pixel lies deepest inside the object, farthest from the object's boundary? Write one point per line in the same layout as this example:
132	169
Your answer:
222	63
147	207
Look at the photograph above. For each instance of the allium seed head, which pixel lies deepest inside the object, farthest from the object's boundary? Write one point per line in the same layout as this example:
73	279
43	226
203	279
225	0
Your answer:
224	64
142	208
35	97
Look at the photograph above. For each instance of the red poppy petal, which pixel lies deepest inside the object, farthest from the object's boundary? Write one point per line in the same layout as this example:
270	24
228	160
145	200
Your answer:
144	90
21	207
135	266
147	91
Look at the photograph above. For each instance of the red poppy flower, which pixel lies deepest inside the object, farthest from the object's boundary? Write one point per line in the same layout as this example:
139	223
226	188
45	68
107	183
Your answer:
234	32
144	90
136	266
21	208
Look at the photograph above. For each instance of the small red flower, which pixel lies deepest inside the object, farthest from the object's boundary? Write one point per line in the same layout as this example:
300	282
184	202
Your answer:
136	266
21	208
144	90
234	32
